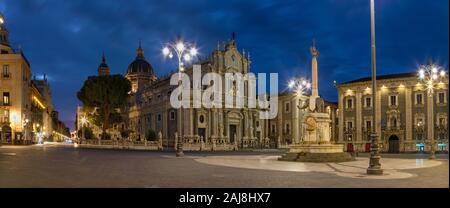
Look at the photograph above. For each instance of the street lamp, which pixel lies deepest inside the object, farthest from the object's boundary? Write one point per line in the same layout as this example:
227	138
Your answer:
25	125
431	75
374	163
300	86
187	52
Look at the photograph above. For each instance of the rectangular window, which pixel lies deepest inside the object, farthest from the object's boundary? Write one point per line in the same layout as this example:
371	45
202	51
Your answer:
368	125
6	98
393	100
350	137
288	129
349	103
287	107
349	125
441	98
368	102
5	72
419	99
172	115
159	117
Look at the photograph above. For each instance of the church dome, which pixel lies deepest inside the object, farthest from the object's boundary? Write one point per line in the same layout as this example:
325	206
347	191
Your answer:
140	65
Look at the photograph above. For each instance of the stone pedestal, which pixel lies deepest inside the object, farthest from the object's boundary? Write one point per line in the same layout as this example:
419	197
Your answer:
316	143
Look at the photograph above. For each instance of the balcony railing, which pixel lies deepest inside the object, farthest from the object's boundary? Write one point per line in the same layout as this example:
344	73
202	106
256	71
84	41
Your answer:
4	119
6	75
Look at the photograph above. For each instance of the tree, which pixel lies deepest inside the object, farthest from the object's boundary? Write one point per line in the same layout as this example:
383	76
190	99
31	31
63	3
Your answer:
106	94
88	134
150	135
125	133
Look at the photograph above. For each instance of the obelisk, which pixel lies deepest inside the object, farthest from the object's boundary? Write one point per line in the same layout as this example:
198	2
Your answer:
315	75
314	65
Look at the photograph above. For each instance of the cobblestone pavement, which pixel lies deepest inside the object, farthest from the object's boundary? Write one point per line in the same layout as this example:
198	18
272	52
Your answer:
51	166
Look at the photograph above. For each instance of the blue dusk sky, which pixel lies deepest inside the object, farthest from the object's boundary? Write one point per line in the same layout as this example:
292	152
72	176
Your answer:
65	39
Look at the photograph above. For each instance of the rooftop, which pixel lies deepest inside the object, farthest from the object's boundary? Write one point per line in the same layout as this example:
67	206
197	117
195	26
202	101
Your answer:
383	77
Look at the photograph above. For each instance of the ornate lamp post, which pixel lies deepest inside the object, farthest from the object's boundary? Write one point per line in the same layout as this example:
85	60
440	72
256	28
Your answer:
300	87
187	52
374	163
25	126
431	75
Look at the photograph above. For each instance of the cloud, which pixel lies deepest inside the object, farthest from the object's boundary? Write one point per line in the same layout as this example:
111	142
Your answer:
65	39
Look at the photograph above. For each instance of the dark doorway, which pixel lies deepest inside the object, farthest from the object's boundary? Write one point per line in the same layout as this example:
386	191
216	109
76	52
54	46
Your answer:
394	144
368	145
350	148
6	135
232	133
202	133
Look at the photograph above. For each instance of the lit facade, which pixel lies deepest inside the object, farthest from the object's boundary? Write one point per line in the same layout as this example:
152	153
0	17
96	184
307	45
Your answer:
25	106
409	115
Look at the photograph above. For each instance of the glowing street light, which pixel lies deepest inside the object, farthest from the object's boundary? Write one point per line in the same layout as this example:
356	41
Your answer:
300	86
184	51
431	77
187	52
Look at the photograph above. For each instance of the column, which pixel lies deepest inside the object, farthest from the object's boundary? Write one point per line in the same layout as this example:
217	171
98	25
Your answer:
295	125
358	124
430	119
191	121
341	117
408	114
378	112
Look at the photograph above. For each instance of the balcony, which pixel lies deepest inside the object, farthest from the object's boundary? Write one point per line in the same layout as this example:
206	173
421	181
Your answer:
4	119
6	75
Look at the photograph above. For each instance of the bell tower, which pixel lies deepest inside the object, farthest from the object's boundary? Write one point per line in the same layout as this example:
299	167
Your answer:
103	69
3	32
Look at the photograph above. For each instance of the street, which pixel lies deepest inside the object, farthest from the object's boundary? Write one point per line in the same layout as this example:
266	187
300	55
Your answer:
55	166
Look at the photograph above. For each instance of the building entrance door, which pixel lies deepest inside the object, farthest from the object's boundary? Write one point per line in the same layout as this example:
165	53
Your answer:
202	133
6	135
394	144
368	145
350	147
232	133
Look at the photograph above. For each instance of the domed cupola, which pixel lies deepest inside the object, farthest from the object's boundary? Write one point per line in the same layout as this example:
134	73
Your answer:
140	65
140	72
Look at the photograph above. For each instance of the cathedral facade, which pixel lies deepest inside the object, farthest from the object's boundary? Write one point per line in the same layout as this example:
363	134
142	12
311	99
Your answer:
149	108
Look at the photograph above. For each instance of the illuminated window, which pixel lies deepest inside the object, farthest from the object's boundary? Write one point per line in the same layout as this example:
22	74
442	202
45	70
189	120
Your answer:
5	71
6	98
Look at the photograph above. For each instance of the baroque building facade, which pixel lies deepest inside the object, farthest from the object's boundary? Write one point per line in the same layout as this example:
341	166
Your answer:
149	108
26	111
410	116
